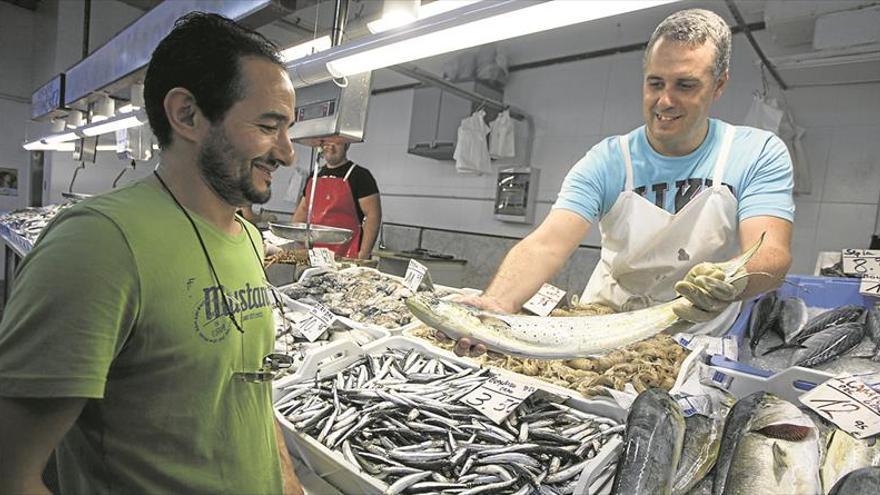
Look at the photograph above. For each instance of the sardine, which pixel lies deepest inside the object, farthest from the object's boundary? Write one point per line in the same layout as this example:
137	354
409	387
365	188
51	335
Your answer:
764	316
558	337
778	454
654	438
861	481
846	454
829	344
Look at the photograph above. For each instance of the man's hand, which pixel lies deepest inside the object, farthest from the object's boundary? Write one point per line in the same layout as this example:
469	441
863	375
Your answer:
469	347
707	293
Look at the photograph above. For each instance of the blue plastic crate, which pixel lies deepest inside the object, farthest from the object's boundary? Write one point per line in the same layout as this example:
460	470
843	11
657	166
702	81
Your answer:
817	292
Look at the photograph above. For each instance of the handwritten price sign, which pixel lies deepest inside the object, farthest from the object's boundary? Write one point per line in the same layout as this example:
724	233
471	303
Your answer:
847	402
545	300
415	273
321	257
870	286
319	320
497	397
861	262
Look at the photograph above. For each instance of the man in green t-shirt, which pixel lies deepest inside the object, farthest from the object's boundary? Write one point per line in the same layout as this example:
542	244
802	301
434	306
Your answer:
135	319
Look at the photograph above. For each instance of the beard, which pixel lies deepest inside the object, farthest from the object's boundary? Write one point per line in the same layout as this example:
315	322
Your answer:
227	172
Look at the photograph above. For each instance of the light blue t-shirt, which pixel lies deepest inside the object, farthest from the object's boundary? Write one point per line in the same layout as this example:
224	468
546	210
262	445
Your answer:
758	172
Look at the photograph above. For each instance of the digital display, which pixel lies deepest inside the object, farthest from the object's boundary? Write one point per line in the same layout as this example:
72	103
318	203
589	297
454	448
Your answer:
317	110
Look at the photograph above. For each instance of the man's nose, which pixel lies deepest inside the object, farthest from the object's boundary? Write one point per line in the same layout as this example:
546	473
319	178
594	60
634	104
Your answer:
284	149
665	99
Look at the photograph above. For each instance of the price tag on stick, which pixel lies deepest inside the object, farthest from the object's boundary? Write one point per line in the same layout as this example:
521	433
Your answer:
861	262
319	320
497	397
545	300
415	274
321	257
847	402
870	286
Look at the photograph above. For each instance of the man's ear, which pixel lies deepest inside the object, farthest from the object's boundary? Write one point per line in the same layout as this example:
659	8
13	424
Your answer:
721	85
184	116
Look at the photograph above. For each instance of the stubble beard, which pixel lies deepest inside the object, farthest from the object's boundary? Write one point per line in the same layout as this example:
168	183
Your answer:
227	172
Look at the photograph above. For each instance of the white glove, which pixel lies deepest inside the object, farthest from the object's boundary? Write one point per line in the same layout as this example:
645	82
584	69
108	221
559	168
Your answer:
707	292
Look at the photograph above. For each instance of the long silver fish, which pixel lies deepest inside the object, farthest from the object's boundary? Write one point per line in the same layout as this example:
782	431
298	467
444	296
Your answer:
779	453
654	438
555	338
846	454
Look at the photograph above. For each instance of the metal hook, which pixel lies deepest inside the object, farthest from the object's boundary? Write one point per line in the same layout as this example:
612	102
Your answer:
73	179
122	173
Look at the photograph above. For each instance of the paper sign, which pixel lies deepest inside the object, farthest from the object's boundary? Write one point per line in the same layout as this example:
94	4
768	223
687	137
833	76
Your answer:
870	286
122	140
861	262
415	273
847	402
321	257
497	397
545	300
719	346
319	320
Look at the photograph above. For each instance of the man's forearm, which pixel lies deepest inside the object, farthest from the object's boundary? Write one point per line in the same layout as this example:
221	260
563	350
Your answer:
524	270
769	267
291	482
371	233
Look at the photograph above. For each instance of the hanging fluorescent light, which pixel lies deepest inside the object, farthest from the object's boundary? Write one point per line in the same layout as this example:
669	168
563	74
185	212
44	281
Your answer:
395	13
103	108
60	138
123	121
475	24
305	49
399	17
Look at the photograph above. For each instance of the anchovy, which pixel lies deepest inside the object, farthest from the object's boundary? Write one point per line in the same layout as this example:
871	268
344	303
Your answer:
829	344
555	338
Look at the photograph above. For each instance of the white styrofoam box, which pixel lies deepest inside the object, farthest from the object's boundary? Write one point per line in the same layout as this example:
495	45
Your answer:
335	469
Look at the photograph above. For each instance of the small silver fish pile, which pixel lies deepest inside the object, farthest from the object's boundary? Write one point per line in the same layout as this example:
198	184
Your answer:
397	417
363	295
30	222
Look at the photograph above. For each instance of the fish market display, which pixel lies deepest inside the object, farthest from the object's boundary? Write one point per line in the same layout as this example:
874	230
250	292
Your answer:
863	481
828	344
845	454
776	453
734	429
654	439
397	417
30	222
764	316
794	336
653	362
362	295
555	338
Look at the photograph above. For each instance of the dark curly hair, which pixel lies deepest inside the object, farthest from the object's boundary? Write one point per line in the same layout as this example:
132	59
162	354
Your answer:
202	54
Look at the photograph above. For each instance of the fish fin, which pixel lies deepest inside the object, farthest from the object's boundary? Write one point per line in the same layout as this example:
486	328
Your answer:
793	433
777	347
780	462
492	321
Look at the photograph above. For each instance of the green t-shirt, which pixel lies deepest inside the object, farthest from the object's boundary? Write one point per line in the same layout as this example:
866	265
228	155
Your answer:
116	303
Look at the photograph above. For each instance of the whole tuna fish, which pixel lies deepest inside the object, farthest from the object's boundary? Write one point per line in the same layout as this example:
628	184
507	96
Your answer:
820	322
559	337
702	439
654	438
865	481
778	454
793	317
763	317
846	454
735	428
829	344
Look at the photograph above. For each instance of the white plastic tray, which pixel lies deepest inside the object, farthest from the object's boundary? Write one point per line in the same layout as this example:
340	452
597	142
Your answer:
332	466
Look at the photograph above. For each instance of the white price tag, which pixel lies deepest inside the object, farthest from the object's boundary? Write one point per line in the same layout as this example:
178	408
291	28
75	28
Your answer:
321	257
497	397
861	262
720	346
415	273
870	286
545	300
122	140
319	320
847	402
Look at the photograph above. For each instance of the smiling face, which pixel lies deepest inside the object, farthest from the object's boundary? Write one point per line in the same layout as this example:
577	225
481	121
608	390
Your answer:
241	152
335	153
678	91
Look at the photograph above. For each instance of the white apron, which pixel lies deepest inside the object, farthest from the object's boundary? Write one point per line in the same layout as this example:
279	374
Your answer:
646	249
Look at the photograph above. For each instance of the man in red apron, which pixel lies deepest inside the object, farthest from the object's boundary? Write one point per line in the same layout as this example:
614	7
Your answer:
346	197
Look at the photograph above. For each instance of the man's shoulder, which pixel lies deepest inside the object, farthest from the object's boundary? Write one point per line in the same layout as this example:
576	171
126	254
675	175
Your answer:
755	135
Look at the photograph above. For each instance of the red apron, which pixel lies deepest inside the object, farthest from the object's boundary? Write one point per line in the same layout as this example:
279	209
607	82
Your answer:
334	206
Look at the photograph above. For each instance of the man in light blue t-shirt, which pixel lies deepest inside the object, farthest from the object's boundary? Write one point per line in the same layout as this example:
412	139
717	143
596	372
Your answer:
672	197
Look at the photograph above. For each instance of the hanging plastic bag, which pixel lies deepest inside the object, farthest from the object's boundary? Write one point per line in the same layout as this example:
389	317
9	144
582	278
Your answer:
502	136
764	114
471	152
